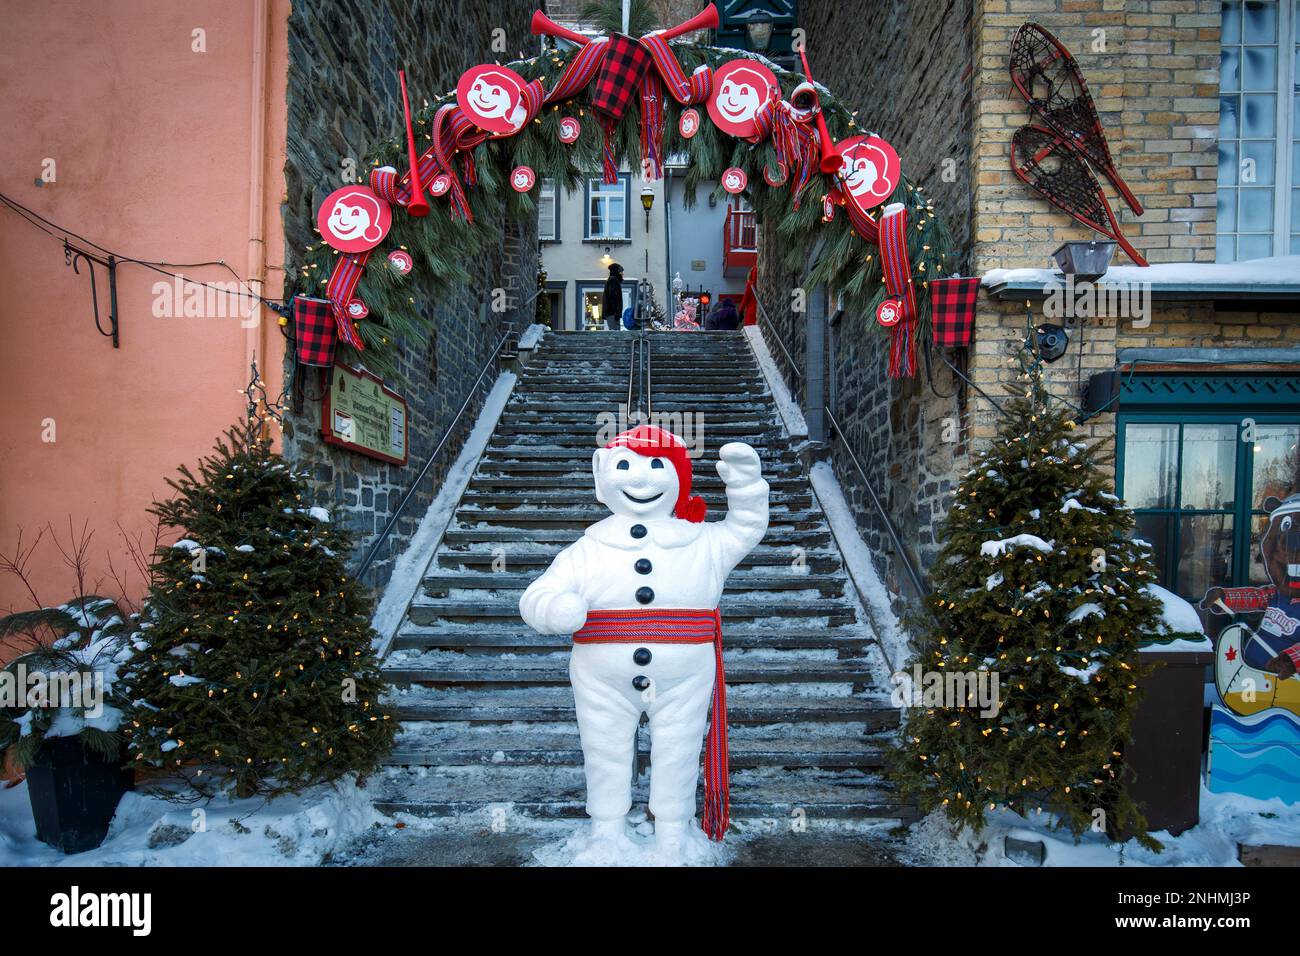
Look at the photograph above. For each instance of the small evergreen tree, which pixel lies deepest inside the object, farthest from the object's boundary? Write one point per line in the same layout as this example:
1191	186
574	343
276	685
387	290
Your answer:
1039	583
254	651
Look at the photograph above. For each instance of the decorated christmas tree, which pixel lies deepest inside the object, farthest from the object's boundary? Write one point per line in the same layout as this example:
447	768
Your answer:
1040	585
254	653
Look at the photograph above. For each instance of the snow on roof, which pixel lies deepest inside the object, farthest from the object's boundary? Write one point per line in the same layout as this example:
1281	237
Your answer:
1276	274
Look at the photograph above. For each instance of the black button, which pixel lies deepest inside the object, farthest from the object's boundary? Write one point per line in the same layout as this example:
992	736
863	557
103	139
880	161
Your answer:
638	531
642	566
640	682
645	595
642	656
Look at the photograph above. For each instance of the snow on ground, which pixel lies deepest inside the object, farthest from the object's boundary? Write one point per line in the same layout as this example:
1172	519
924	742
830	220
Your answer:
1226	820
858	562
410	567
149	831
791	413
532	336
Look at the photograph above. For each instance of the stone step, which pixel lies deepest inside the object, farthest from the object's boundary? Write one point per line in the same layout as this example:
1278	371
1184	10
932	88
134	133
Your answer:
560	792
847	638
771	560
582	516
543	703
523	453
578	496
422	744
439	667
576	478
808	539
740	581
833	611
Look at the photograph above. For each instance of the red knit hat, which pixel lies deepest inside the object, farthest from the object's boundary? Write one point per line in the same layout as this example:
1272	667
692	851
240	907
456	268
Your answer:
653	442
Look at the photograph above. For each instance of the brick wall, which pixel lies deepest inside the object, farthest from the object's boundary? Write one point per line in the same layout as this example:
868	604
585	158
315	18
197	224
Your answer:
343	94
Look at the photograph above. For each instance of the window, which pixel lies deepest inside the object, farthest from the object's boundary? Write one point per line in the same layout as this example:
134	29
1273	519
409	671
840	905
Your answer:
1259	161
607	206
548	211
1197	475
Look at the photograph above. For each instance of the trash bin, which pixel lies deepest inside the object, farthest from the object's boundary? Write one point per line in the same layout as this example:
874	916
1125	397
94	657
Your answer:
1163	759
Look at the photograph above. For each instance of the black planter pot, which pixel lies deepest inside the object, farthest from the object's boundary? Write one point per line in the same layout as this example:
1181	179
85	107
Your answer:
74	794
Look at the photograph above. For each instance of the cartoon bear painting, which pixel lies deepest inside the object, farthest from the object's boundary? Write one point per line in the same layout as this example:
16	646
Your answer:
1255	730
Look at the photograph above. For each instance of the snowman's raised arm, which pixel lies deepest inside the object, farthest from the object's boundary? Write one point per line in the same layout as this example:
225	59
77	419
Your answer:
553	604
746	522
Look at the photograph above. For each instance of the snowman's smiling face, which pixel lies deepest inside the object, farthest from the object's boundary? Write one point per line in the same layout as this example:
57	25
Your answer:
348	222
634	485
489	99
741	95
859	174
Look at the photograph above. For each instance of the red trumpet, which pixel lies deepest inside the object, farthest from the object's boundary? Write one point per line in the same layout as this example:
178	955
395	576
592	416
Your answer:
831	158
545	26
418	206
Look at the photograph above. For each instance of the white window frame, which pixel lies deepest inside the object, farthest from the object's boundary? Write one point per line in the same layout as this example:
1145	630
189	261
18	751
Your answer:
1285	231
549	191
599	191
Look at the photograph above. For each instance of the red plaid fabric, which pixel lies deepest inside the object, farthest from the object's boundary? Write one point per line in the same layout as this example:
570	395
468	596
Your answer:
619	79
1249	599
315	330
952	311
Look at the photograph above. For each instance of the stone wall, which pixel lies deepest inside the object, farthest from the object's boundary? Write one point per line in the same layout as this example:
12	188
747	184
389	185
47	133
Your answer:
906	69
343	94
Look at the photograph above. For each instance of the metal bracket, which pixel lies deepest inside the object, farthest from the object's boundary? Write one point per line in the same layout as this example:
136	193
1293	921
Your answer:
71	257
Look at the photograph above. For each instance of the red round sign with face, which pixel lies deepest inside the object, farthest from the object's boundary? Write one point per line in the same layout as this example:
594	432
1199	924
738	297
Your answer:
439	185
740	89
871	170
492	97
357	309
889	312
734	180
401	261
570	130
353	219
688	124
522	179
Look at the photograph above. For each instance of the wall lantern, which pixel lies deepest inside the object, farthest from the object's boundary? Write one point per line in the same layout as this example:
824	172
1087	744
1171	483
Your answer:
647	203
759	27
1085	259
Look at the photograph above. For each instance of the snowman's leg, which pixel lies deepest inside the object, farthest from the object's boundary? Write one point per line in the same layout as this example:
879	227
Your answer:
607	722
679	714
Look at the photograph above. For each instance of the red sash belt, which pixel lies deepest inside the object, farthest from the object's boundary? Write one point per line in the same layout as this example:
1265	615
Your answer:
679	626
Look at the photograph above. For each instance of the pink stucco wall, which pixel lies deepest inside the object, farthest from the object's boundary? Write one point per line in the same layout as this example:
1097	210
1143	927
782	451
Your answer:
162	153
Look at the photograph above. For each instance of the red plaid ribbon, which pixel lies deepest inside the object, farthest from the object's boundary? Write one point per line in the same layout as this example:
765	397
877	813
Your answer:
621	72
679	626
314	330
952	311
898	282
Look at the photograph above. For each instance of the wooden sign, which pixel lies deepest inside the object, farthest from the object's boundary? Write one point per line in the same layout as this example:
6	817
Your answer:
363	415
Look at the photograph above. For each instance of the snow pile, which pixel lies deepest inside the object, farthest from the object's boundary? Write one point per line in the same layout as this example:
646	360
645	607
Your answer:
791	413
1180	625
410	567
148	831
638	848
858	562
532	336
996	549
1270	272
1227	820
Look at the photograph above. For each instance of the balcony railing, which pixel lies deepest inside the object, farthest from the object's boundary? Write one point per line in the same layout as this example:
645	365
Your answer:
739	240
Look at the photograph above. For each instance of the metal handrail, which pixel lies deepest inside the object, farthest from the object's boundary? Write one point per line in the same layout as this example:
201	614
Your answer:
446	436
794	368
638	372
921	588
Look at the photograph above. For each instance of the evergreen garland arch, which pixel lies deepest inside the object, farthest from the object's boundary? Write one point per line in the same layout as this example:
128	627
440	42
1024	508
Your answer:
441	242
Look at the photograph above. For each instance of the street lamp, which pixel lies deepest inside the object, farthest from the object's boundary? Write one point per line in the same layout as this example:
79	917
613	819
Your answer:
647	202
759	27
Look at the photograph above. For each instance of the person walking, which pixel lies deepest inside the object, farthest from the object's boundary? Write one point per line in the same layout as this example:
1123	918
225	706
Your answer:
611	303
724	317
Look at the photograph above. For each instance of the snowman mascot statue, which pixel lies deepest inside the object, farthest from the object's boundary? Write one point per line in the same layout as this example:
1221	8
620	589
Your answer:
639	592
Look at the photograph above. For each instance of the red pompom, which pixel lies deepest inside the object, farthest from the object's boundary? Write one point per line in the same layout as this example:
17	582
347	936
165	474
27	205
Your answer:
692	509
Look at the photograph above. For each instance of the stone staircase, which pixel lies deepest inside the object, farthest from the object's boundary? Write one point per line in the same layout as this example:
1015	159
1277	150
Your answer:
486	709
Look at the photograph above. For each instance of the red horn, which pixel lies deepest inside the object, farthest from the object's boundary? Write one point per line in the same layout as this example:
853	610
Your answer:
831	158
705	19
418	206
545	26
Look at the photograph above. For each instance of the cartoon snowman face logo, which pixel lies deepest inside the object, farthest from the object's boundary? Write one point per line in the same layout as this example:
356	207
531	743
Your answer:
492	96
734	180
522	179
888	313
569	130
870	170
440	184
740	89
353	219
689	124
